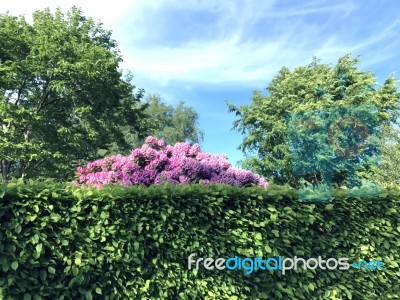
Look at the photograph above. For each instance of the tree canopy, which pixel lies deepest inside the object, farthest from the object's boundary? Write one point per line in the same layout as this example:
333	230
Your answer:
312	88
172	123
62	94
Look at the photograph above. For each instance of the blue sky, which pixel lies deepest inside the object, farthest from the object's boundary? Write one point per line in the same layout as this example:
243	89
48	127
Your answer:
206	52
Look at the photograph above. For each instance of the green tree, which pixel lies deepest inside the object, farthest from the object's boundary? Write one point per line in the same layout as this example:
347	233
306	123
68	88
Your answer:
171	123
62	94
307	88
388	171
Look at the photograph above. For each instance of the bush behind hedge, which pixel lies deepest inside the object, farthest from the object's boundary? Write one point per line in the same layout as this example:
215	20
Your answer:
157	163
62	242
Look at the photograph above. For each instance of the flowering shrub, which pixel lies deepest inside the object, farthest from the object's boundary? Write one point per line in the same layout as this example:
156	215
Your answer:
156	163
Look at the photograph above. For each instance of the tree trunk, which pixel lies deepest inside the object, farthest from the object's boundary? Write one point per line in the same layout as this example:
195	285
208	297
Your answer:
5	169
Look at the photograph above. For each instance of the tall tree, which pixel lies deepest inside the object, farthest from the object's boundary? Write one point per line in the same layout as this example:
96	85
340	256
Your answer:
171	123
388	171
62	95
307	88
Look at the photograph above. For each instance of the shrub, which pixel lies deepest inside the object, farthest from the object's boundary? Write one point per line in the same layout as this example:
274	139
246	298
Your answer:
134	242
157	163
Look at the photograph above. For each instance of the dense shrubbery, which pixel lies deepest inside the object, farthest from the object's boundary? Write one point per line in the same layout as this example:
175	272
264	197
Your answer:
134	242
156	163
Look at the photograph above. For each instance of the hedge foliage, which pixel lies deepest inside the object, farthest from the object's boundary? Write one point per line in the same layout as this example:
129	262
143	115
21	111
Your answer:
62	242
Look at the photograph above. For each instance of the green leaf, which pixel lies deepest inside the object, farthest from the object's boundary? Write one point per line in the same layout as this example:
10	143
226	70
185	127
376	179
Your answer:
348	294
2	191
39	248
51	270
43	275
311	219
14	265
311	286
267	249
27	297
88	295
136	246
273	217
327	293
329	207
18	229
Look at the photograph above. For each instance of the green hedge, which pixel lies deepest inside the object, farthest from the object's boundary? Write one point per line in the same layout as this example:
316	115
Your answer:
60	242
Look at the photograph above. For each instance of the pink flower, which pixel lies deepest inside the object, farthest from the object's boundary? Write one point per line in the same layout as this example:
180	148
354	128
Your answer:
157	163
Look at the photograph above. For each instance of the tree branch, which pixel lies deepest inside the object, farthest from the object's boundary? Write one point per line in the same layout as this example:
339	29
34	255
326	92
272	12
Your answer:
20	91
29	163
43	104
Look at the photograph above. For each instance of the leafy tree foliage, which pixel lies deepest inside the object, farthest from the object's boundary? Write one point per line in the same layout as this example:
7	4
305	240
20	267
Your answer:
388	171
173	124
62	95
307	88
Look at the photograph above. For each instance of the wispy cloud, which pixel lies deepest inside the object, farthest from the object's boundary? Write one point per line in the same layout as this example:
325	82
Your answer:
215	42
251	41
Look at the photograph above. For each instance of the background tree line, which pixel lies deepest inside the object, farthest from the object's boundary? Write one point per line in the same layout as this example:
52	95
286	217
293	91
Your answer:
64	101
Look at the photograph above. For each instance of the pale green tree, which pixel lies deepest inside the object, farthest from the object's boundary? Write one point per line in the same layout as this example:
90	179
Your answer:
172	123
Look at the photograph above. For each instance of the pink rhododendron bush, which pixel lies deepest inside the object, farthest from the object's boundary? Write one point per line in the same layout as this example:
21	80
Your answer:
157	163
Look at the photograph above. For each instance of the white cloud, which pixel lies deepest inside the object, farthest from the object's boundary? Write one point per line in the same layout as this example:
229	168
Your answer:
231	57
